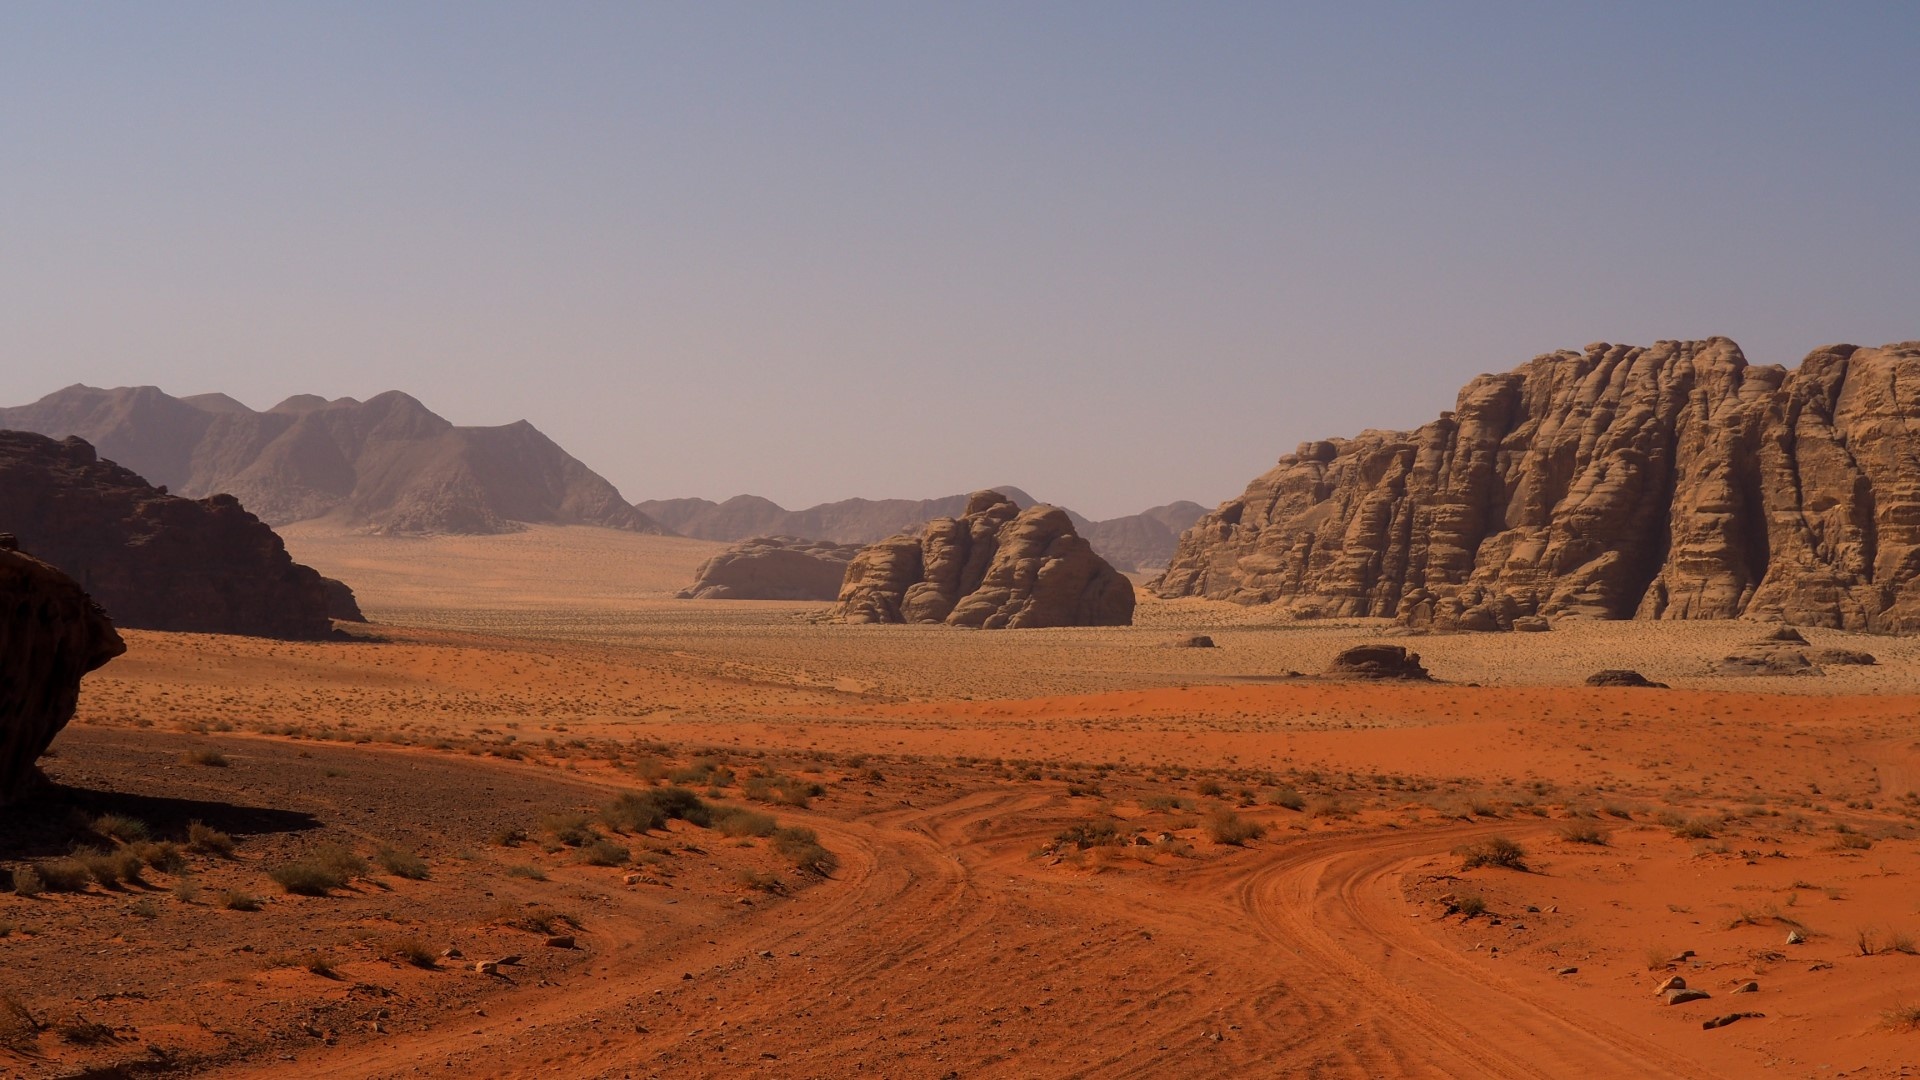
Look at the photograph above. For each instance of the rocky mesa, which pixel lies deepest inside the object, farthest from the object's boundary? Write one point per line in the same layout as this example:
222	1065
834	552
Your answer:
773	568
995	566
1674	481
51	634
385	465
156	561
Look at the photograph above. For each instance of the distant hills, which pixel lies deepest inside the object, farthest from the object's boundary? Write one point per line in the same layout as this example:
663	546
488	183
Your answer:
387	464
1138	541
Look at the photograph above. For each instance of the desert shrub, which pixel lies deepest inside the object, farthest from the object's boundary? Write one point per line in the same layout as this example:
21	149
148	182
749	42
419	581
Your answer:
109	868
604	852
1852	841
781	790
410	949
163	855
1086	834
1210	789
145	907
1227	827
64	875
508	837
312	960
1287	798
759	880
536	920
209	757
1470	905
185	889
403	864
531	873
18	1028
739	821
208	841
1162	804
235	900
569	827
1584	832
324	869
28	882
702	772
120	827
1699	828
1493	851
801	847
645	811
81	1031
305	878
1901	1017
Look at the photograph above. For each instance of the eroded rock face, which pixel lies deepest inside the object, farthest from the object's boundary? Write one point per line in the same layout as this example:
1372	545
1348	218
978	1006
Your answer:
1623	677
156	561
51	634
1670	482
773	568
995	566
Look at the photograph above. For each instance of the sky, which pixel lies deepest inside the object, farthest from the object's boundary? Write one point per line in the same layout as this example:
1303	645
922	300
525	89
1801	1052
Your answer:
1115	253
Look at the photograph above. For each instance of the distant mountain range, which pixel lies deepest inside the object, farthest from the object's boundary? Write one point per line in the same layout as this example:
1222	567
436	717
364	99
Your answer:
390	465
387	464
1135	542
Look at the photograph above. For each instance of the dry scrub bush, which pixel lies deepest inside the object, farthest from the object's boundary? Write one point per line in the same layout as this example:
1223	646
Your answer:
83	1032
208	841
402	864
410	949
802	848
739	821
1901	1017
120	827
1287	798
604	852
1493	851
1086	834
1227	827
18	1028
326	868
1584	832
28	882
1470	905
531	873
212	758
312	960
235	900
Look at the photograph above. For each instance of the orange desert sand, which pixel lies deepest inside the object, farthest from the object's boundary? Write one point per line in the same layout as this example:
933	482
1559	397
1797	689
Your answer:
1032	853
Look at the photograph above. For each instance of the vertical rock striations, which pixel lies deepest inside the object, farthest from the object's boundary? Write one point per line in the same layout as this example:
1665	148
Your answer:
1670	482
995	566
50	635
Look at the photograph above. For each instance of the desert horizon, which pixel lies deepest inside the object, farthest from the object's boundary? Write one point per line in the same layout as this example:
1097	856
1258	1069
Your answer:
968	542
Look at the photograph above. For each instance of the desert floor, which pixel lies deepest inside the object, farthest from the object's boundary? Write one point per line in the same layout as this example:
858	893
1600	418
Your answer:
922	852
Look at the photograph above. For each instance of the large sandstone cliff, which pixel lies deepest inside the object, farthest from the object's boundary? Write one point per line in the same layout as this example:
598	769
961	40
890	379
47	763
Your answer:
157	561
1670	482
995	566
50	635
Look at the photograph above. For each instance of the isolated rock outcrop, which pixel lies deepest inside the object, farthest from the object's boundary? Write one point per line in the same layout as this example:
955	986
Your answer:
1623	677
156	561
773	568
51	634
1134	542
386	465
1670	482
1377	662
1786	652
995	566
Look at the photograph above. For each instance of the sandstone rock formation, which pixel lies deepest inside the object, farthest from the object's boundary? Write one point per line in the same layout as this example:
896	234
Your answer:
1623	677
773	568
995	566
1786	652
51	634
1377	662
386	464
156	561
1137	541
1670	482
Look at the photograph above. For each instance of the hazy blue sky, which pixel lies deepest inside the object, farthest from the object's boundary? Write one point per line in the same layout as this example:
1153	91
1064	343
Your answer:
1116	253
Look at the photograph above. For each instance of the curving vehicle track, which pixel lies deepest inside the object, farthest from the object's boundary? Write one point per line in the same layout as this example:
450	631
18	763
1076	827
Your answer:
942	947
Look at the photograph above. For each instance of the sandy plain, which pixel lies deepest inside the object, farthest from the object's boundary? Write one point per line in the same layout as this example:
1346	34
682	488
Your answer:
1052	853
